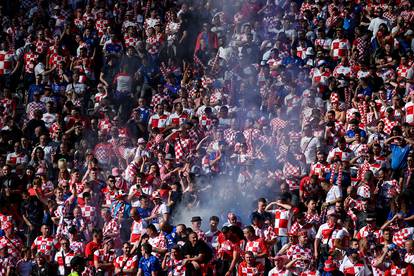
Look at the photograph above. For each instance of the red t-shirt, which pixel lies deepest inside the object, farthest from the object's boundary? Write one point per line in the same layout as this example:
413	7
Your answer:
90	248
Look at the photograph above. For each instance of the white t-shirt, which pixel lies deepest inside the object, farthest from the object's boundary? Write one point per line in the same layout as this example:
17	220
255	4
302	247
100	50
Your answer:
309	146
334	193
135	198
49	119
39	69
375	23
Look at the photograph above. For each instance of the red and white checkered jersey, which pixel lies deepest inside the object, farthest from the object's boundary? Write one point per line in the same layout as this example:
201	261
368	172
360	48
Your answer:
177	119
183	147
158	121
79	23
126	263
111	227
5	264
291	174
101	257
401	236
4	219
205	122
130	41
320	76
340	48
245	270
319	169
313	218
89	213
6	62
368	230
278	124
159	98
258	246
56	60
153	45
389	124
358	269
282	221
390	189
33	106
45	245
9	105
137	229
52	50
101	25
158	242
104	153
41	46
14	245
301	52
297	252
394	270
344	155
30	60
104	125
377	270
402	71
230	135
364	191
325	43
409	112
63	262
227	248
175	267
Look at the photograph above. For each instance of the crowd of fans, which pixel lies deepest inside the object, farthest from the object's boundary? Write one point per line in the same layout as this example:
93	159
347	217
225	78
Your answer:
119	118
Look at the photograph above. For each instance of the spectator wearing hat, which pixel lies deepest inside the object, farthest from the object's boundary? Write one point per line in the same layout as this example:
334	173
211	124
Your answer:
330	268
196	227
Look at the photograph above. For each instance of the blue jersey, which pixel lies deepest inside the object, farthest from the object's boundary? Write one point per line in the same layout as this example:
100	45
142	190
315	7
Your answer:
149	265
